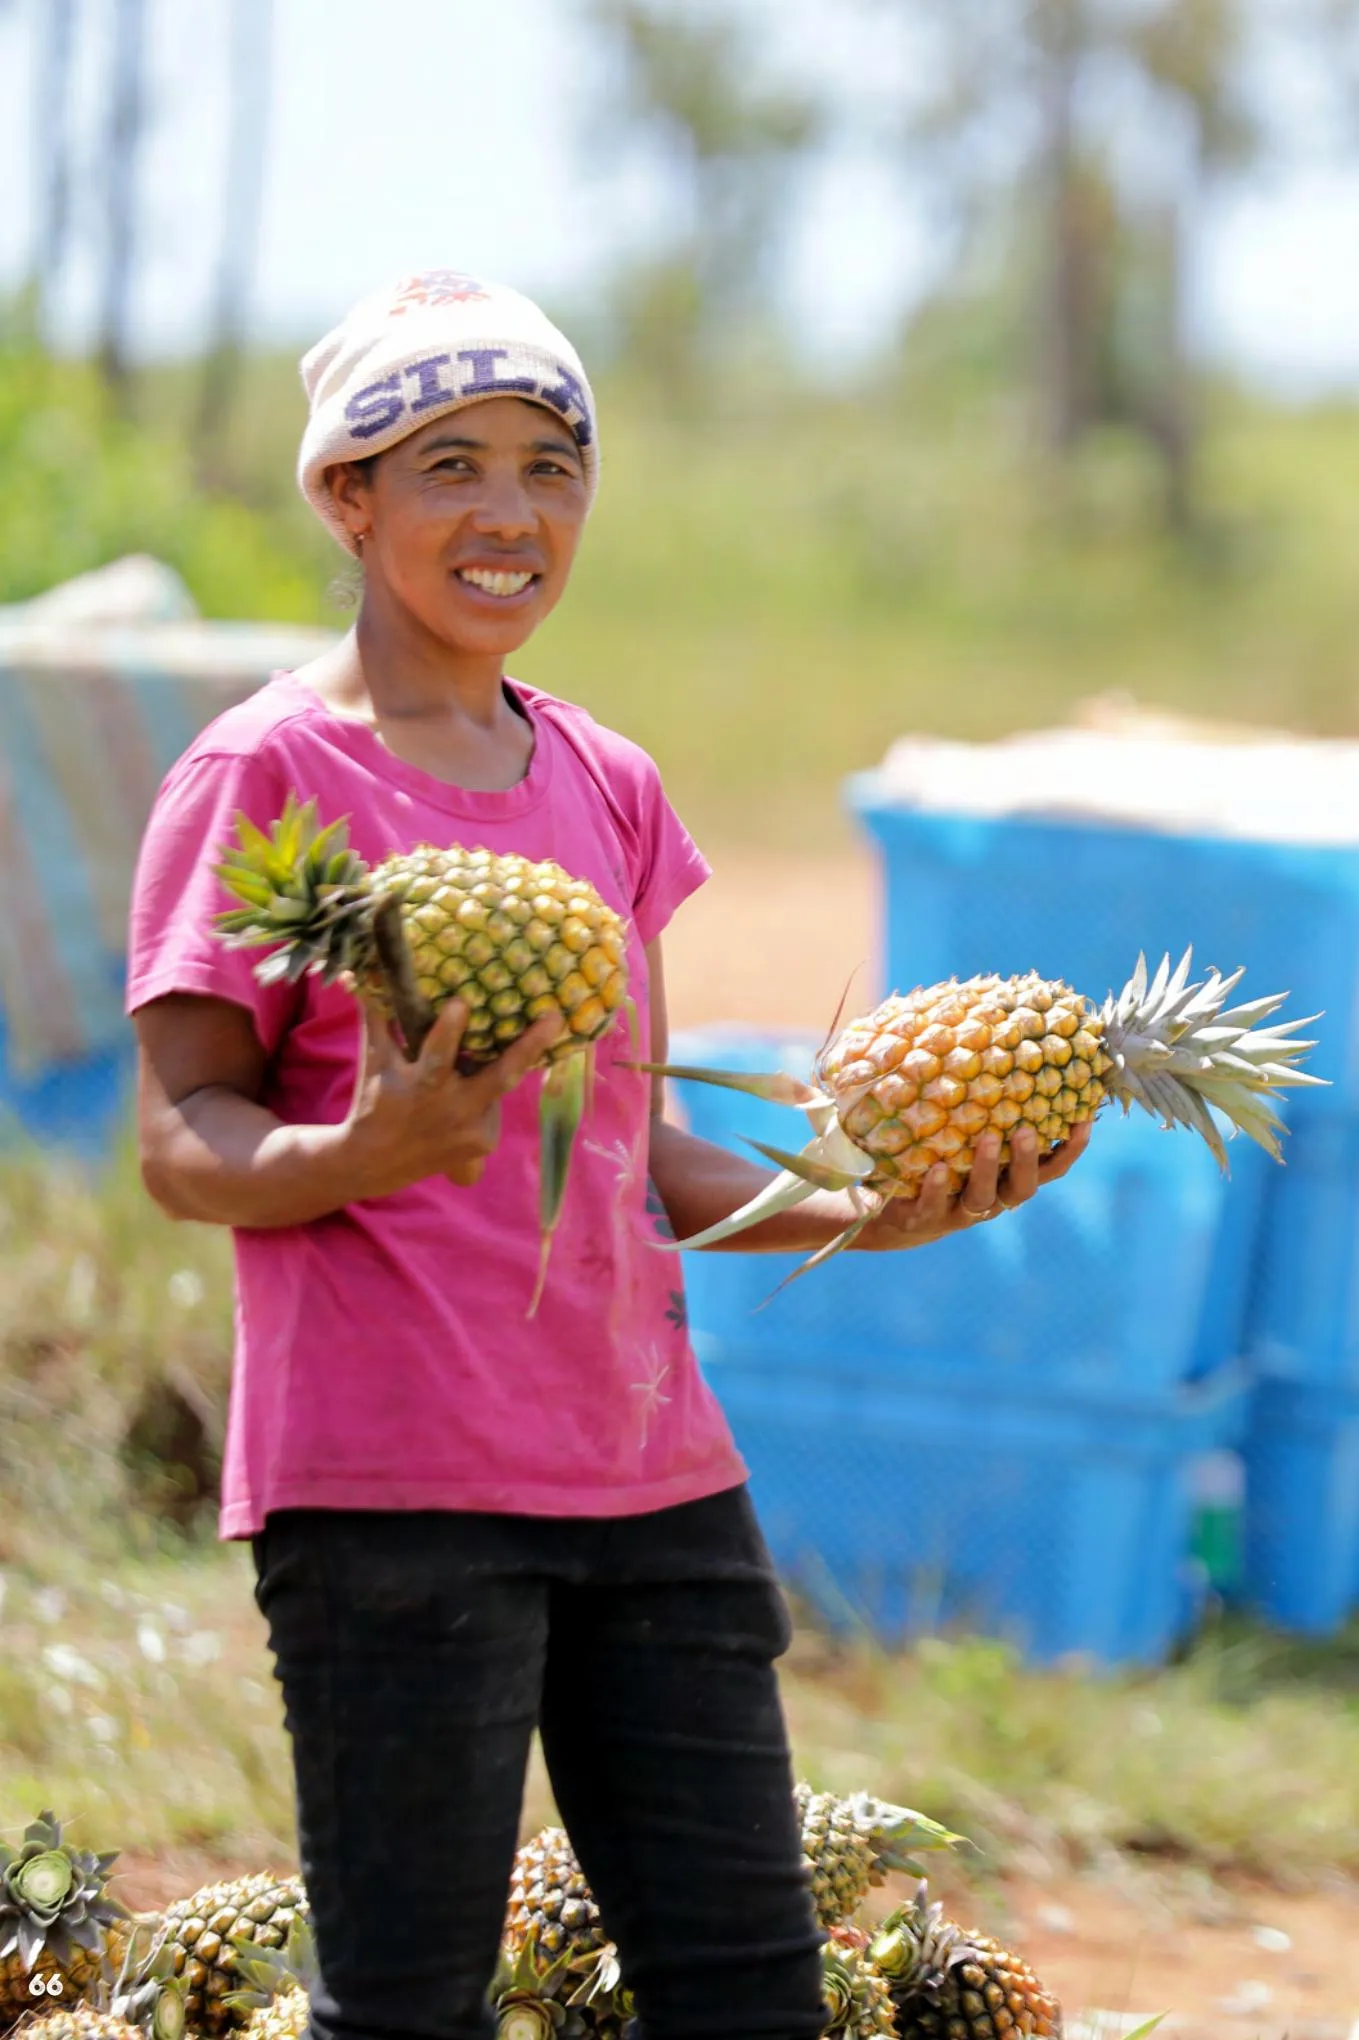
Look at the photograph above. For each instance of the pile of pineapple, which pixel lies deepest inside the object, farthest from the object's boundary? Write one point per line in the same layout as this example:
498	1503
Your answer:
238	1956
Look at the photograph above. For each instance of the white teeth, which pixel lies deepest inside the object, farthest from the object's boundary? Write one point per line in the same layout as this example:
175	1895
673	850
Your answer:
494	584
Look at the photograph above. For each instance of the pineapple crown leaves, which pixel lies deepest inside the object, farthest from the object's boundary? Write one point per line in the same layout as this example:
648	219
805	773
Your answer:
897	1833
601	1989
848	1976
52	1896
300	886
1178	1049
148	1993
916	1947
266	1972
530	1993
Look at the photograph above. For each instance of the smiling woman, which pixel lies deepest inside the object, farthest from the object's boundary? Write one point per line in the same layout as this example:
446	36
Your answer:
467	1521
472	533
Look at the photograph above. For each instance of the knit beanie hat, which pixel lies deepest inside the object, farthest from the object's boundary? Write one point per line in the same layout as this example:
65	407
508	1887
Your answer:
406	356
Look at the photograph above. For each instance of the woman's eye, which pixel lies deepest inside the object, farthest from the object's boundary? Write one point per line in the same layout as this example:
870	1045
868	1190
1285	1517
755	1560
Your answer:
453	464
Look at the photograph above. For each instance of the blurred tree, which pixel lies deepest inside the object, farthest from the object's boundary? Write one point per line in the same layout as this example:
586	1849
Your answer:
1102	124
732	145
127	111
251	23
53	178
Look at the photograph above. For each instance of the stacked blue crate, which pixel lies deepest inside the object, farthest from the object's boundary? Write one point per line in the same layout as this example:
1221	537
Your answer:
1302	1531
1003	1429
1077	899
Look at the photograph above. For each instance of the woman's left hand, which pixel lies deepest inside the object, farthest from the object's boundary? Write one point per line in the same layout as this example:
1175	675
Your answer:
988	1193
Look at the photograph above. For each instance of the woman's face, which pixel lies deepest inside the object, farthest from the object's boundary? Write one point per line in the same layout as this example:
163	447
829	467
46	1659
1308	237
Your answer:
472	523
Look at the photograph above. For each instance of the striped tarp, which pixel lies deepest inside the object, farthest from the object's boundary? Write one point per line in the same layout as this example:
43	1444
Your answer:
95	705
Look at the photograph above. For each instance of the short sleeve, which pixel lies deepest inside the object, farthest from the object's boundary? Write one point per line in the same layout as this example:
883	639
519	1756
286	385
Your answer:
671	866
176	894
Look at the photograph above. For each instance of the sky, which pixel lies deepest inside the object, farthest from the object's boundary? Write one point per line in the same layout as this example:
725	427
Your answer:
465	133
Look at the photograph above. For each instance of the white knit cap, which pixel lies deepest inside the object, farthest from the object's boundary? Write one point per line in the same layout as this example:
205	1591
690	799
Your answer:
436	342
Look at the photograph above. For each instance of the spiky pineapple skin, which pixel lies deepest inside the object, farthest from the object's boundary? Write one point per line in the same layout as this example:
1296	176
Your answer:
285	2019
991	1994
921	1078
513	939
839	1855
857	1996
77	1977
199	1931
75	2022
550	1900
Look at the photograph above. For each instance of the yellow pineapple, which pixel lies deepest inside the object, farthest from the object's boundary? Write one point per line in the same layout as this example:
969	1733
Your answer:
918	1081
948	1983
857	1996
200	1933
272	1997
142	2000
60	1930
515	939
550	1901
851	1844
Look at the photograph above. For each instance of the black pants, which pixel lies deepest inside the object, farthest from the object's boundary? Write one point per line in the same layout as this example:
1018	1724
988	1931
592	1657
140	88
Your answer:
417	1652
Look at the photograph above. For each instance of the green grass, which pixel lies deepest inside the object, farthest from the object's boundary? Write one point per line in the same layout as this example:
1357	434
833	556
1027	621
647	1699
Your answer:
136	1689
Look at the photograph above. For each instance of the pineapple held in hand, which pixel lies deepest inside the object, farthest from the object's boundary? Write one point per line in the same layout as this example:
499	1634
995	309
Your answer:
515	940
917	1082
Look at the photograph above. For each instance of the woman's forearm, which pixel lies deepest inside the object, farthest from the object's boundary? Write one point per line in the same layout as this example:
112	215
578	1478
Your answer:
222	1159
699	1184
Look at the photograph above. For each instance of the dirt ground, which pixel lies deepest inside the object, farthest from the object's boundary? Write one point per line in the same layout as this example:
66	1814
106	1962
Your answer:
773	941
1267	1966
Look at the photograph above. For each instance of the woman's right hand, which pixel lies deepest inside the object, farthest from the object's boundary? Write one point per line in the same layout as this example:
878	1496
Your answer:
410	1120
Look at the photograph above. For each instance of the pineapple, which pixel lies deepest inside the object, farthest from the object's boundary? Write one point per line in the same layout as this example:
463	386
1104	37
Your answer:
199	1933
144	2003
948	1983
529	1994
273	2001
605	2003
515	940
551	1902
918	1081
59	1928
858	2000
851	1844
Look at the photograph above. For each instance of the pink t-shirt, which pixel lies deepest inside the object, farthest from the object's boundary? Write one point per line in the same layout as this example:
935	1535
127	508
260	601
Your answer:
383	1356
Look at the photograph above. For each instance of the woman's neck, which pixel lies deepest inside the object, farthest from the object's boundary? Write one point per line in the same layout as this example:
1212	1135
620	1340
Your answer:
445	712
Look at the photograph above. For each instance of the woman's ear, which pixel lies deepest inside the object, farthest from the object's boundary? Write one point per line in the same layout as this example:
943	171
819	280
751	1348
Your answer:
351	491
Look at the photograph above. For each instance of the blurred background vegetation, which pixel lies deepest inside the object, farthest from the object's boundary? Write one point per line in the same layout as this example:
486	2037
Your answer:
1034	486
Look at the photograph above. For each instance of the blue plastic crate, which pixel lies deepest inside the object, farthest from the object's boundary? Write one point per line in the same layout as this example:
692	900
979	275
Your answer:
82	1106
1078	899
1108	1279
951	1499
1304	1317
1302	1507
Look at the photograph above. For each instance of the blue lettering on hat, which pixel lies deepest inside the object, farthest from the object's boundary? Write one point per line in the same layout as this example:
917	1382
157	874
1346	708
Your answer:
568	397
484	378
373	408
432	391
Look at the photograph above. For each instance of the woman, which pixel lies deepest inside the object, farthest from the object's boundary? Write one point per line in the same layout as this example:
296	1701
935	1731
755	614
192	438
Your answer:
466	1523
